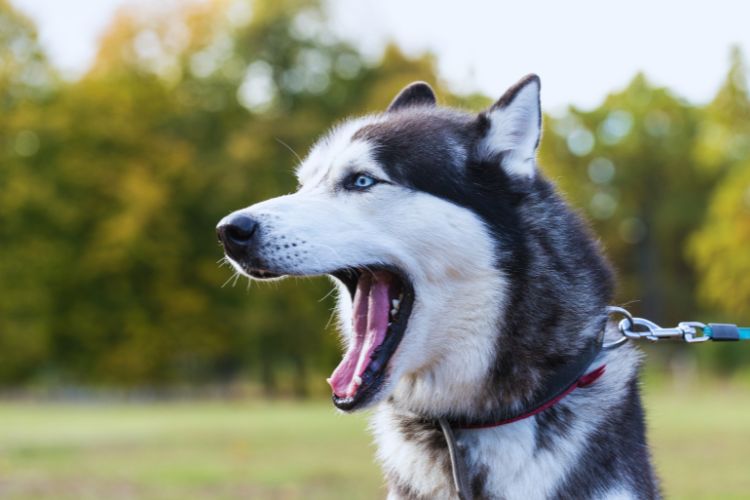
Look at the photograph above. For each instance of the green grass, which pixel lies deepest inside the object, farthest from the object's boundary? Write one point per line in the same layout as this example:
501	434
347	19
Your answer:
701	443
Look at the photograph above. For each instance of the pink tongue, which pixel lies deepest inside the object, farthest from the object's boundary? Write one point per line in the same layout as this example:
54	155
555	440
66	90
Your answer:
371	307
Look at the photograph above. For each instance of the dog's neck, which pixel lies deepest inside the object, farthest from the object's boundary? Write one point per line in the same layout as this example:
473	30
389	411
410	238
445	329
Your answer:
521	378
531	458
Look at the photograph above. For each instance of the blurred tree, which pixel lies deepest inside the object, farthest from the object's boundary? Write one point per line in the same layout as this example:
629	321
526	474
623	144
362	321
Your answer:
184	117
720	247
27	83
25	72
724	132
187	108
112	185
628	164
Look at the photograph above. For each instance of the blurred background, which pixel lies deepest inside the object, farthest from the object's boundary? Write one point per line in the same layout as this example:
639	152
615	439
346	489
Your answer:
133	366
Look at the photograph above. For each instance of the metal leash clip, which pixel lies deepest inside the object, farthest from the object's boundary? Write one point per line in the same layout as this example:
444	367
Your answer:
633	328
691	329
627	317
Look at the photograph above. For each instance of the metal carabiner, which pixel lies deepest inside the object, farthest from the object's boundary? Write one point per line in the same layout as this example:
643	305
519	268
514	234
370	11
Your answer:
624	324
655	332
690	328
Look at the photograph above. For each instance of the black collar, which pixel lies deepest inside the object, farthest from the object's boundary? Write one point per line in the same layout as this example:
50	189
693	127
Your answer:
554	387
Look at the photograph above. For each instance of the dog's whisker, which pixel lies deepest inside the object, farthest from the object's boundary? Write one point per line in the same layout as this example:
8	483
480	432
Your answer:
233	276
289	148
236	277
330	318
331	291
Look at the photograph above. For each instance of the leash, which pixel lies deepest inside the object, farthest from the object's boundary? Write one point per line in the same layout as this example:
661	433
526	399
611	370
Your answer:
457	465
633	328
577	375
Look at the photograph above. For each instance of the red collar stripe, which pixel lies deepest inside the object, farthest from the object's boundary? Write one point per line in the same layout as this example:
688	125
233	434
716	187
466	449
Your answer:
584	381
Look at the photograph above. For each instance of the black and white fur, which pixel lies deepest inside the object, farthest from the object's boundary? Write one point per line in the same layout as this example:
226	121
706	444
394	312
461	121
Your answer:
508	286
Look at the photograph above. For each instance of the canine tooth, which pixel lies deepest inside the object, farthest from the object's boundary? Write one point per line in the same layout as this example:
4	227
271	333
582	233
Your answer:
357	380
396	303
394	311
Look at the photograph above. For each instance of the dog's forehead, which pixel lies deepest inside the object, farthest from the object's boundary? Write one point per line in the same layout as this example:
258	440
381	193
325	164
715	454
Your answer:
337	150
393	144
421	142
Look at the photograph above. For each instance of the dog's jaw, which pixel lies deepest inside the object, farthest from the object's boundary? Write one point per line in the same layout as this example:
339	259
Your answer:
445	368
442	362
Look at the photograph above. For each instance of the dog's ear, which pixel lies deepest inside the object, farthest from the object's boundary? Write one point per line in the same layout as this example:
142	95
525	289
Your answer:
510	128
414	94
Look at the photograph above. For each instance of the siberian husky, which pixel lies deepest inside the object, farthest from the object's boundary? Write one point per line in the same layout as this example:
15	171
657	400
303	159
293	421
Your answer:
469	294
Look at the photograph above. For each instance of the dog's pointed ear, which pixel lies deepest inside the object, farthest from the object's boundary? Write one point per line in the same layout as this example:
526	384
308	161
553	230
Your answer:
414	94
510	129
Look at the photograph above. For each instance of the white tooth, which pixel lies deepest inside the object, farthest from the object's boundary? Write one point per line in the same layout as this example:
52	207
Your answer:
394	311
358	380
390	323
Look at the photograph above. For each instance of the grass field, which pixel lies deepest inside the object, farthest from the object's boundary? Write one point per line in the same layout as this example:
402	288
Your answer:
701	443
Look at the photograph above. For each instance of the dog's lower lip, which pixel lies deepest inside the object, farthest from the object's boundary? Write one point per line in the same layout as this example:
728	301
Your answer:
261	273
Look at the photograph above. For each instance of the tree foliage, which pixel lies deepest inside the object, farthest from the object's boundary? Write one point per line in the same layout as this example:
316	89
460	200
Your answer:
720	248
629	165
111	187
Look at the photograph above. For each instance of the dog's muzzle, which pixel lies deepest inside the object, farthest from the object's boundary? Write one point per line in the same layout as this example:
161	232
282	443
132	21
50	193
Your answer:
237	232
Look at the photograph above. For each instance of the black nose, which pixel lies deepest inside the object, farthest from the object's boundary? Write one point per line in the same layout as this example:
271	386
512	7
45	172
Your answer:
236	234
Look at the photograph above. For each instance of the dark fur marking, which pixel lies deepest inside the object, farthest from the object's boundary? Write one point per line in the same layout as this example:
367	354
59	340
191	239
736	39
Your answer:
552	426
427	434
414	94
616	455
478	482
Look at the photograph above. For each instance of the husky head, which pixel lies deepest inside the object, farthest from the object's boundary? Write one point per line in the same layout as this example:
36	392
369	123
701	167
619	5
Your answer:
458	266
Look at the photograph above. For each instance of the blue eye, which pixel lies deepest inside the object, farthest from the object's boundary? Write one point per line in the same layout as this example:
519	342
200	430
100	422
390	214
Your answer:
363	181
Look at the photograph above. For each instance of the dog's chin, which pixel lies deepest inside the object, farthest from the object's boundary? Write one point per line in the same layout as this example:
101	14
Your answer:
367	399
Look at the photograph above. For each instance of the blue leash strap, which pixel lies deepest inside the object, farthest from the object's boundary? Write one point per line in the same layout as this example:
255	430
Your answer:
721	332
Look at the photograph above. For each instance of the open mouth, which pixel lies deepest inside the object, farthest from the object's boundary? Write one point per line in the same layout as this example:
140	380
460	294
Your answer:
382	299
382	303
